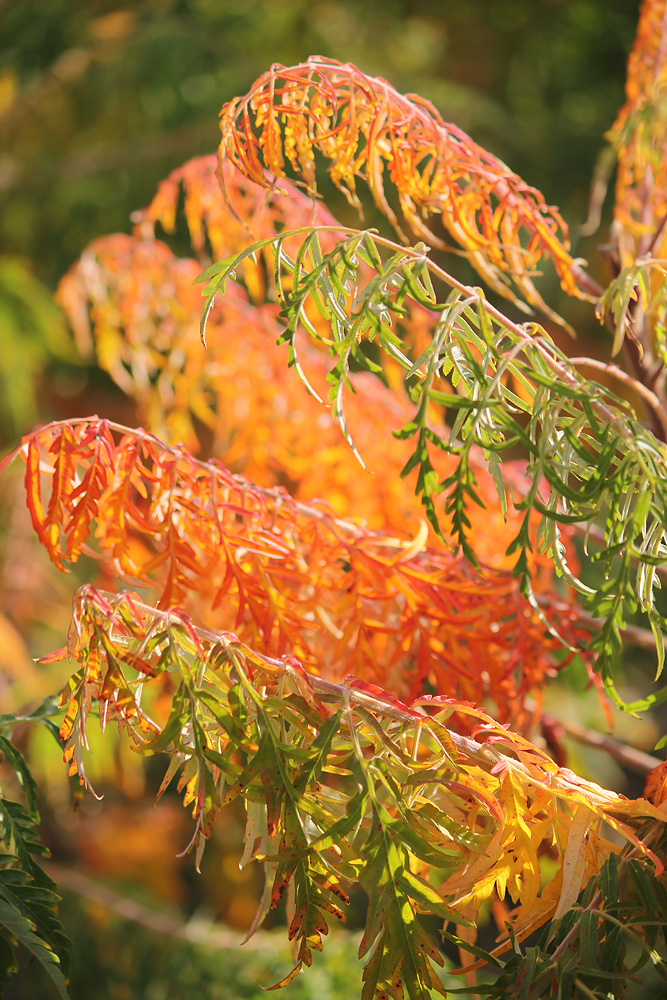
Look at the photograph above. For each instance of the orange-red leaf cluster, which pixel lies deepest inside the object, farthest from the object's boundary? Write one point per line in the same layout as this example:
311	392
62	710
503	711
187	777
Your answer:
289	577
518	807
139	300
225	210
368	130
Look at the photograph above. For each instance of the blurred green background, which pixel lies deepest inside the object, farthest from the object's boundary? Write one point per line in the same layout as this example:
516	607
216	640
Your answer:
98	101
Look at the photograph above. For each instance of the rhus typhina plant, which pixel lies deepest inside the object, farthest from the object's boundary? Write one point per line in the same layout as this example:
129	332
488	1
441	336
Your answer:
337	598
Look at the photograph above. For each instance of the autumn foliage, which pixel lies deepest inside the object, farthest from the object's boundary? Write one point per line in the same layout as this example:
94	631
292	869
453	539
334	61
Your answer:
346	615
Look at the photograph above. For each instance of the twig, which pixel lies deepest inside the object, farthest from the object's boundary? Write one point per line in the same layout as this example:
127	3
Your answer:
615	372
634	760
197	931
642	638
487	755
575	931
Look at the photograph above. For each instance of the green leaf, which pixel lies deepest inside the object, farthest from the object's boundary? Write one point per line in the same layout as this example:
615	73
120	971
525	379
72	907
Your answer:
25	931
28	784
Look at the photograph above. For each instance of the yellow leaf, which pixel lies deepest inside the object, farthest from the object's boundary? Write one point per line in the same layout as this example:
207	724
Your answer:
574	860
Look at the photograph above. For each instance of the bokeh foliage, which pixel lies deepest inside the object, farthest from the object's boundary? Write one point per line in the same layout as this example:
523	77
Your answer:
99	100
102	98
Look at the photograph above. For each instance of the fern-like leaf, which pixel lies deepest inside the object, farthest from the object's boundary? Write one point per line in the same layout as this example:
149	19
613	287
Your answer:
389	609
368	130
28	900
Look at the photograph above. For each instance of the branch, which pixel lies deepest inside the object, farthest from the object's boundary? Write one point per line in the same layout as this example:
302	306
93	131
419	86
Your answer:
614	372
642	638
197	931
418	254
634	760
486	755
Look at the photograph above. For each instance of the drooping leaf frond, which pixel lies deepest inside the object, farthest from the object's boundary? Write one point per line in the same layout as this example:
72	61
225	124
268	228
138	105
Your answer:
638	290
28	898
368	130
290	576
501	385
621	914
263	421
224	209
639	235
432	806
369	691
640	137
